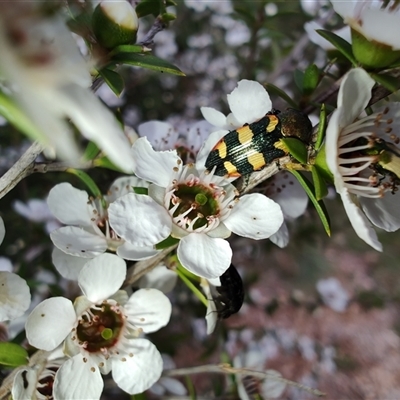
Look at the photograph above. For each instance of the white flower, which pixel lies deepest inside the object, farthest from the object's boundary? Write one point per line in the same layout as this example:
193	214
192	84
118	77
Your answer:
362	154
14	292
248	102
36	382
100	332
291	197
50	81
198	208
187	139
88	233
372	19
333	294
37	210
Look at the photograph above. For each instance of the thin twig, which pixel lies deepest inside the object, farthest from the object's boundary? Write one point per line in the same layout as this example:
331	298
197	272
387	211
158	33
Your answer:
227	369
157	27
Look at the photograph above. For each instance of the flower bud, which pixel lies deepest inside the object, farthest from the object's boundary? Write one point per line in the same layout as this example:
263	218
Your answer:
115	23
371	53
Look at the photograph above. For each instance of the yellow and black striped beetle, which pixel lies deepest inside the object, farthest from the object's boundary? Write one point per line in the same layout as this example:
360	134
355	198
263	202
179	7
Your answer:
253	146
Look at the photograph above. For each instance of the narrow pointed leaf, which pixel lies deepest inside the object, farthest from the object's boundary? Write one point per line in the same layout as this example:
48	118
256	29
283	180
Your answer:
12	354
87	180
321	127
168	242
319	205
279	92
113	80
342	45
296	148
321	189
388	82
311	79
147	61
299	79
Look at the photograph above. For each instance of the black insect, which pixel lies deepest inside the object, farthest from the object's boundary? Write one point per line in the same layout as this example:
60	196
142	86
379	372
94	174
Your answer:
230	294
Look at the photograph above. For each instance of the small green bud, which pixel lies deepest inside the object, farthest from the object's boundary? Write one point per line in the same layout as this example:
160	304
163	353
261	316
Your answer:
372	54
115	23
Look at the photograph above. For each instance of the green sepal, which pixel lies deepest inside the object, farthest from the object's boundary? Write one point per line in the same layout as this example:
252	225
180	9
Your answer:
11	111
181	271
342	45
147	7
319	205
279	92
12	355
141	190
321	127
168	242
146	61
311	79
87	180
104	162
321	190
91	151
387	81
113	80
296	148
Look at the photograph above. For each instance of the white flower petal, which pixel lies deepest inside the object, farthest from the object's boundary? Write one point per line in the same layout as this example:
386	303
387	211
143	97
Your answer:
382	26
70	205
289	194
139	220
383	212
204	256
6	264
102	276
281	238
2	230
157	193
15	297
346	9
140	372
130	252
255	216
24	385
68	266
149	309
273	386
354	95
50	322
160	278
211	312
96	123
154	166
34	210
78	242
78	379
173	386
161	135
213	116
124	185
249	101
360	222
331	143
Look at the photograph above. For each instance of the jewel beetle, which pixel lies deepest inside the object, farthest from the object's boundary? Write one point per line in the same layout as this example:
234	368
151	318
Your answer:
253	146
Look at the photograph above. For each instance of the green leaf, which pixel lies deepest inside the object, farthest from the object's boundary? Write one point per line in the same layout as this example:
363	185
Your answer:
319	205
389	82
12	355
147	7
104	162
91	151
113	80
321	189
168	242
279	92
296	148
11	111
87	180
342	45
311	79
146	61
128	48
321	127
141	190
298	79
168	17
170	3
